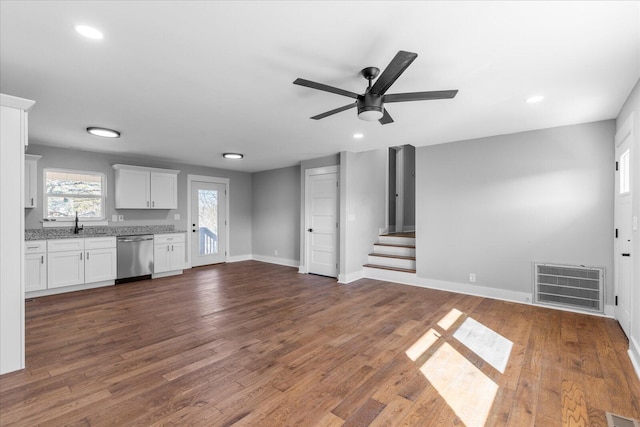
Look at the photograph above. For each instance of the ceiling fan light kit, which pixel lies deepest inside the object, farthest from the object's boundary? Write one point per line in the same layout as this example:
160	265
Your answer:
370	105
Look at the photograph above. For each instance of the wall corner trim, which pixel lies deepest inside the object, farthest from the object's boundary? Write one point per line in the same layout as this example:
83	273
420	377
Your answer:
350	277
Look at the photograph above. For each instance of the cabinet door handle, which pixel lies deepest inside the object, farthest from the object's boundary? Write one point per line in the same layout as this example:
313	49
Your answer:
153	204
80	256
32	201
167	248
87	256
147	203
171	248
41	259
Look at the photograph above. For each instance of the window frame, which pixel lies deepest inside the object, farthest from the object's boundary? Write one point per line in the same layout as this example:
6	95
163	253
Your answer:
66	219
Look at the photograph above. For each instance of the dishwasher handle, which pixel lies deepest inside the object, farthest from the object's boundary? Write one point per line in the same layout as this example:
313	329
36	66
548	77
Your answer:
131	239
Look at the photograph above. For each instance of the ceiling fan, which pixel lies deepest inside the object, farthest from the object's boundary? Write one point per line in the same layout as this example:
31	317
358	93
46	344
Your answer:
371	103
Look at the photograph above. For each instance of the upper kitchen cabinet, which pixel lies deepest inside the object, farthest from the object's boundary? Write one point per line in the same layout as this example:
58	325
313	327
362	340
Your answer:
139	187
31	180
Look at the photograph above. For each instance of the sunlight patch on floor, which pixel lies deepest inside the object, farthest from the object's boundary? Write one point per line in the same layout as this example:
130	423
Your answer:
422	344
486	343
467	391
449	319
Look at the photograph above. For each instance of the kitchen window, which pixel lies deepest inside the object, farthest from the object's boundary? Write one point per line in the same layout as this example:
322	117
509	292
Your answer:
67	192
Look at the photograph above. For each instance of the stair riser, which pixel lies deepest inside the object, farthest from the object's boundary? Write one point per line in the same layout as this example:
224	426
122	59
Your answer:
394	250
392	262
394	240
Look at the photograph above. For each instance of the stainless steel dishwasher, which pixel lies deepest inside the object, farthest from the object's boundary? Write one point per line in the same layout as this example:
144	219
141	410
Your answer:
135	258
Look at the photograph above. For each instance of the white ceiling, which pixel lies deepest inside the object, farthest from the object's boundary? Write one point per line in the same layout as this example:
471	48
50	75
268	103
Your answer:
188	80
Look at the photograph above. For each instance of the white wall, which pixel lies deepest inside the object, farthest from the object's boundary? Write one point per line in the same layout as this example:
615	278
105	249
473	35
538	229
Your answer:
632	106
276	215
239	190
492	206
362	208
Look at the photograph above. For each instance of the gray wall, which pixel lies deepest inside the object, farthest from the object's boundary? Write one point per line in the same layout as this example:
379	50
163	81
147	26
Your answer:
276	213
239	190
409	186
362	207
494	205
632	106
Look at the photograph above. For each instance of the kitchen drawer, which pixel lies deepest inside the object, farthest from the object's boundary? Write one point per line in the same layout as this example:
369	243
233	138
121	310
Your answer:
160	239
65	245
99	242
35	246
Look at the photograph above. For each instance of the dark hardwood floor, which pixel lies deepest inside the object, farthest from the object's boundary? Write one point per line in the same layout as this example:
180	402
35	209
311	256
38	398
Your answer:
254	344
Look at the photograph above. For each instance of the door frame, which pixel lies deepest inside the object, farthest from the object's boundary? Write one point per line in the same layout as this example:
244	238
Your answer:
213	180
304	266
625	133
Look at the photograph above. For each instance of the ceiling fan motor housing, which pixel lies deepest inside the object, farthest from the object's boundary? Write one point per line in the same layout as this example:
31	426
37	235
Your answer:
369	107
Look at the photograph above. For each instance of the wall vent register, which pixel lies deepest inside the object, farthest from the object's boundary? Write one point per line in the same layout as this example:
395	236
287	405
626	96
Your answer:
575	287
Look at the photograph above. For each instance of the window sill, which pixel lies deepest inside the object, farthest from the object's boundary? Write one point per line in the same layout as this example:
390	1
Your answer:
57	224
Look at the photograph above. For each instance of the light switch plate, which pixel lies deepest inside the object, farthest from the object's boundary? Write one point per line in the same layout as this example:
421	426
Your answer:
114	217
176	217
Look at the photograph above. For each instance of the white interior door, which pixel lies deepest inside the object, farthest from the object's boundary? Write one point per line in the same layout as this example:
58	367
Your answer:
208	223
623	255
322	222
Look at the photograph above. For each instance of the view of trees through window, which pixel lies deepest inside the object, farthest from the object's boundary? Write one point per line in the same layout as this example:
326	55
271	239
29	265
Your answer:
68	192
208	221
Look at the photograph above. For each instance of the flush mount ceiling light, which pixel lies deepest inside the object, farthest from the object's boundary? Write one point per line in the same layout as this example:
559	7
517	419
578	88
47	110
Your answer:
234	156
534	99
103	132
358	136
89	32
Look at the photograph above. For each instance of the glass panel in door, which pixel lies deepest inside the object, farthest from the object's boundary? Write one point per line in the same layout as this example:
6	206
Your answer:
207	221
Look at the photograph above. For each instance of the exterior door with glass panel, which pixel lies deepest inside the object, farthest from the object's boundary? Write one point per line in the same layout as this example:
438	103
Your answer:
208	223
623	256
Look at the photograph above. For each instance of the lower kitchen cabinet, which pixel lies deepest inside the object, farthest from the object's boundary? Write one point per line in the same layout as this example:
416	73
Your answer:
168	252
79	261
35	265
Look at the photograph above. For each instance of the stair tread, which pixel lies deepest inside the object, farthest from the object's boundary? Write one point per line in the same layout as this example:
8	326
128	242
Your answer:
386	267
410	234
394	245
412	258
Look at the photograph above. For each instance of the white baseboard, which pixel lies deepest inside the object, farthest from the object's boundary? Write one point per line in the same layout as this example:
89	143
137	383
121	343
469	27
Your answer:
238	258
350	277
54	291
634	355
167	274
481	291
276	260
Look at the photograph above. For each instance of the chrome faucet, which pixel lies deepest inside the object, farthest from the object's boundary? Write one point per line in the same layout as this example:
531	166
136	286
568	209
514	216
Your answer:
77	229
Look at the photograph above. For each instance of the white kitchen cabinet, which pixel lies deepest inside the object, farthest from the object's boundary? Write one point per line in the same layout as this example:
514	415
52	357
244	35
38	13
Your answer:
31	180
35	265
168	252
13	139
100	261
65	263
140	187
79	261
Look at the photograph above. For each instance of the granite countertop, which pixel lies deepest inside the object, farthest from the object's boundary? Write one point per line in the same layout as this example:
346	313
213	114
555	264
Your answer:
67	232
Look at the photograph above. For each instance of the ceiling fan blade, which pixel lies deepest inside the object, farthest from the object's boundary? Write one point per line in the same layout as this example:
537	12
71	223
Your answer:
396	67
334	111
386	118
420	96
320	86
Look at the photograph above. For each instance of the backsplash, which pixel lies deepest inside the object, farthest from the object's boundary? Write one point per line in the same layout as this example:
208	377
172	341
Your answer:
67	232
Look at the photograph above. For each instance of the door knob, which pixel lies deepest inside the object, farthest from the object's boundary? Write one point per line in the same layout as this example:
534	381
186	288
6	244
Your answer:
310	230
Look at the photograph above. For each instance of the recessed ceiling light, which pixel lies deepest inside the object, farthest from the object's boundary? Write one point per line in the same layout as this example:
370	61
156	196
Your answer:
534	99
103	132
358	136
89	32
233	156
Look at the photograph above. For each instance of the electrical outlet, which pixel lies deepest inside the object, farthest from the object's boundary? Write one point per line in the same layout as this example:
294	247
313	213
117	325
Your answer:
120	217
114	218
176	217
275	252
472	277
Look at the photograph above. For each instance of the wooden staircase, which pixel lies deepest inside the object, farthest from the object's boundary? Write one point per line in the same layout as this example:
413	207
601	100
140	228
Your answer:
394	252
